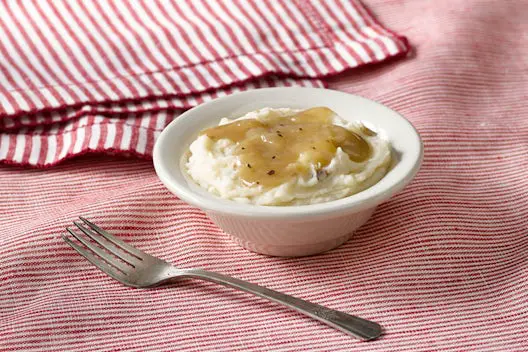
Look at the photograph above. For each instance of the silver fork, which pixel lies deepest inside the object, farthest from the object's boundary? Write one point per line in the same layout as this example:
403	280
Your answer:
135	268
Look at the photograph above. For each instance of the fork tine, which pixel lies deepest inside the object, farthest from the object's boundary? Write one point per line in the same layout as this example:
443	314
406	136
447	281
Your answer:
101	253
104	267
123	255
115	240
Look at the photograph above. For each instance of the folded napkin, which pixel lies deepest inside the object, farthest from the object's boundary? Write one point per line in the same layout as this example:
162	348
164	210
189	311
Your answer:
107	76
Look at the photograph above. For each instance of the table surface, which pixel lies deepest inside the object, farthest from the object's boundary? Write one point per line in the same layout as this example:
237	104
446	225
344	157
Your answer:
442	266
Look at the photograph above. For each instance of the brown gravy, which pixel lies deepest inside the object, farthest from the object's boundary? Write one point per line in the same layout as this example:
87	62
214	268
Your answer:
281	148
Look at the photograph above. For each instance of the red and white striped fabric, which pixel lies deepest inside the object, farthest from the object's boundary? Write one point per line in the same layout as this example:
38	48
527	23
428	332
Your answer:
81	71
443	266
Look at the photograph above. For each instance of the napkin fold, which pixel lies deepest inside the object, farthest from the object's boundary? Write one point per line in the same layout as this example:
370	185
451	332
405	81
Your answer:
78	77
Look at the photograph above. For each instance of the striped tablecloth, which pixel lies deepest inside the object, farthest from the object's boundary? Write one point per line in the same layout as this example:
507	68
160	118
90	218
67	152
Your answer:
442	266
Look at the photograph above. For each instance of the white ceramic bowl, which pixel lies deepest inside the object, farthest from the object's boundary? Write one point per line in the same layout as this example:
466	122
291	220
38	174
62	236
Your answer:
289	230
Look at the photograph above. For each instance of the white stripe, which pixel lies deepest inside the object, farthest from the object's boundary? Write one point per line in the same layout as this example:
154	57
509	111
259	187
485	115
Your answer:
143	133
192	100
233	12
160	120
289	22
257	20
333	60
215	66
163	103
161	37
62	92
240	75
247	23
142	140
220	33
161	78
66	143
52	149
4	146
110	135
129	37
147	81
108	51
109	91
35	149
79	139
82	95
51	99
311	32
6	104
145	36
124	90
20	145
197	85
94	138
138	84
186	25
39	104
54	66
127	135
330	18
362	25
145	121
391	46
345	54
95	56
22	103
64	57
301	59
270	15
55	117
169	25
15	55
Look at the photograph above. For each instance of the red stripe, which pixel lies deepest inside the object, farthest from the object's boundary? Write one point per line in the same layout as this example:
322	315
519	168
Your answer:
293	38
104	35
25	57
204	42
94	42
359	38
125	59
51	27
43	150
185	37
57	62
12	145
244	31
124	23
369	17
269	52
27	149
358	8
161	48
136	126
100	74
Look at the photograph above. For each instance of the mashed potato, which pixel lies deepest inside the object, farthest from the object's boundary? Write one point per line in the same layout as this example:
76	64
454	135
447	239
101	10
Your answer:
214	165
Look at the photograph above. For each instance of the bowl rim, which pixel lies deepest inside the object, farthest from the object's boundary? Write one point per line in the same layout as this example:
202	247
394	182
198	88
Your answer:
365	199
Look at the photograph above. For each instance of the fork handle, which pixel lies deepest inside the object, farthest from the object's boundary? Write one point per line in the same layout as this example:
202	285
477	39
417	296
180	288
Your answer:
349	324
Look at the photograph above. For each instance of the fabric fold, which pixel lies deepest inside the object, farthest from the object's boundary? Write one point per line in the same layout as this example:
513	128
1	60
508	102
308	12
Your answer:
68	64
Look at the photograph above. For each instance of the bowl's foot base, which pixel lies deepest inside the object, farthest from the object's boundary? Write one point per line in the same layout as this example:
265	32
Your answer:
292	251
